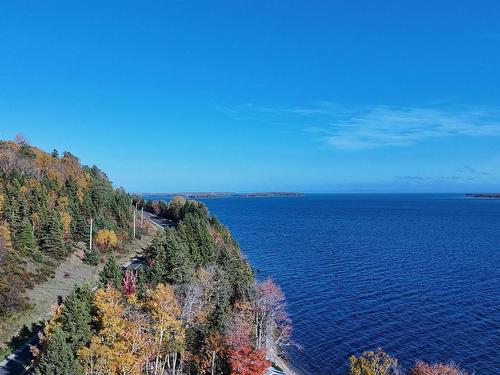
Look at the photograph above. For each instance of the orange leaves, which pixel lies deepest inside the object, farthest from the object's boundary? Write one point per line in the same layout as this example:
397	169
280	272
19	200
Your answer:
247	361
213	348
243	358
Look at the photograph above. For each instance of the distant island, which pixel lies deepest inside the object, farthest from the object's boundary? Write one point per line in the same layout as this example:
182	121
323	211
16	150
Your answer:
201	195
483	195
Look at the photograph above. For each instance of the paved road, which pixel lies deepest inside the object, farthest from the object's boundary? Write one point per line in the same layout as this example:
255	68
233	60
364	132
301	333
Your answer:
158	220
18	362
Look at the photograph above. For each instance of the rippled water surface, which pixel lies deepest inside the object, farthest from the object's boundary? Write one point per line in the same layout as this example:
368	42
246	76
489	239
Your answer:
417	275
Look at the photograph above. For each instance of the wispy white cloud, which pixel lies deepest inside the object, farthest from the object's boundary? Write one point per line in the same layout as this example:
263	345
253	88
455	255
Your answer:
372	126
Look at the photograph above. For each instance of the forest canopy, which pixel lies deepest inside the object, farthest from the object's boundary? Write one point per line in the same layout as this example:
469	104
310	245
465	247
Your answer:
46	203
194	308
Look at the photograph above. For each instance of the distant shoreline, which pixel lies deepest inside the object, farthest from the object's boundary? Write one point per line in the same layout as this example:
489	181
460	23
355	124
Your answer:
205	195
483	195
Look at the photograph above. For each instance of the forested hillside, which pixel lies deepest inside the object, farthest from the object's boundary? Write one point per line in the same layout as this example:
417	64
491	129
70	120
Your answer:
194	308
46	203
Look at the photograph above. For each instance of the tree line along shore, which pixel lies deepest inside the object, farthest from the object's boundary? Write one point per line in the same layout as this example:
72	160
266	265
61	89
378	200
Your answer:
193	306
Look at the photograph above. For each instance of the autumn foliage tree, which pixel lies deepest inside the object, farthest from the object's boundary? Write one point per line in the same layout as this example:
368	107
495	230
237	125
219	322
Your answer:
106	239
273	326
422	368
212	352
121	345
46	202
168	332
244	359
129	283
372	363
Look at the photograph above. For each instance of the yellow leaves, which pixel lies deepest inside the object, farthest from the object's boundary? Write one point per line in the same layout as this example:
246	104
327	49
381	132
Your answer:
33	184
56	176
132	334
163	303
83	180
213	346
52	199
48	329
372	363
165	311
35	218
53	323
2	203
95	358
63	201
43	160
5	238
66	224
80	195
108	303
102	355
106	239
167	330
123	343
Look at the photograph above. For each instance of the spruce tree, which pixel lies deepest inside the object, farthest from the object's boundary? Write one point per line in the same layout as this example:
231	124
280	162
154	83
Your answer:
111	274
76	319
177	259
80	228
25	241
58	359
52	243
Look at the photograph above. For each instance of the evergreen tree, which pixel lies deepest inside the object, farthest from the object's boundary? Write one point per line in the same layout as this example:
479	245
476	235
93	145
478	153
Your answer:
111	274
193	231
177	259
76	319
58	359
169	258
25	241
52	243
80	228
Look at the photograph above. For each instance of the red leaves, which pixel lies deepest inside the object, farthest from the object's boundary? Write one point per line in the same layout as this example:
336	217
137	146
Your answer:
129	283
245	360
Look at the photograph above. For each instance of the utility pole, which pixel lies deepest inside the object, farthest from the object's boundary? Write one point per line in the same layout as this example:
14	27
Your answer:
142	216
90	236
134	223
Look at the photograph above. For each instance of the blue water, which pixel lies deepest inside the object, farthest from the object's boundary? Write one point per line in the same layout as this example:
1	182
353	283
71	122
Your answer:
417	275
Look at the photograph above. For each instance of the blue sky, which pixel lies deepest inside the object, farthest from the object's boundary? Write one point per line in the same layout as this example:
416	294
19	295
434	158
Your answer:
324	96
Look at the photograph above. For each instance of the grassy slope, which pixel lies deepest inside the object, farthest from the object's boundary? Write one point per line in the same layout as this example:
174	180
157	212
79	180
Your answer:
44	296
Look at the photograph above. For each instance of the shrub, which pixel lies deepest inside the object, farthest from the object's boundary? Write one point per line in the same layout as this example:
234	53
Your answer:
422	368
92	257
373	363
